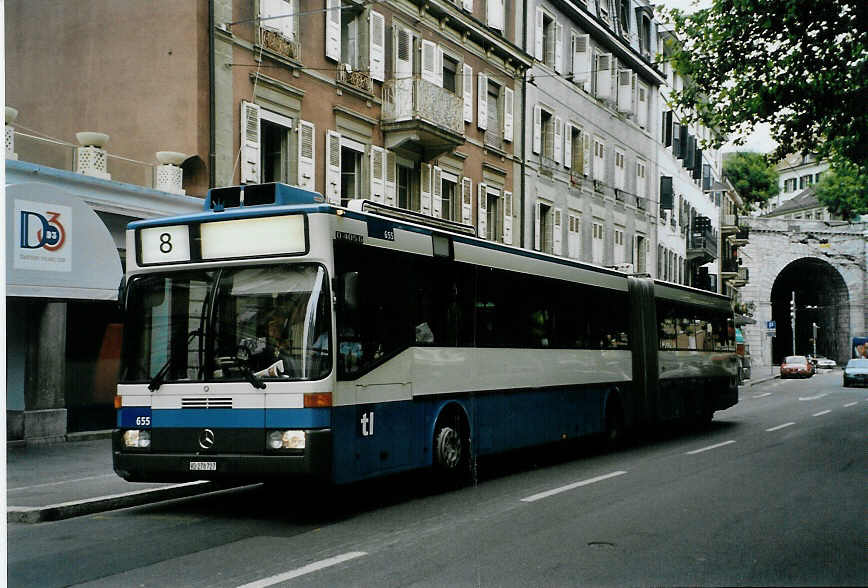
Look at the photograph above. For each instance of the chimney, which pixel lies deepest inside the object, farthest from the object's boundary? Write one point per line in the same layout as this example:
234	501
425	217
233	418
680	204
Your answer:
11	115
90	158
168	176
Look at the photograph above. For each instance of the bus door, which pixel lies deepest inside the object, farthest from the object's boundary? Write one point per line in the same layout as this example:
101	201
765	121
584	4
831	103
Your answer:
644	339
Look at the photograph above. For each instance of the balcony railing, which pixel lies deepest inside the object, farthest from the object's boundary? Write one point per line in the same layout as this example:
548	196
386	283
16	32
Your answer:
741	237
277	43
576	178
702	244
407	99
729	223
61	155
357	79
729	266
494	139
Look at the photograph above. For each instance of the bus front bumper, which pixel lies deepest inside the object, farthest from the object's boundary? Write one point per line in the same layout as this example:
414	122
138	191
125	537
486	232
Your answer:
166	466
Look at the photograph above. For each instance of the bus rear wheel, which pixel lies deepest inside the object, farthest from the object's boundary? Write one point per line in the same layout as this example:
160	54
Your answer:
451	448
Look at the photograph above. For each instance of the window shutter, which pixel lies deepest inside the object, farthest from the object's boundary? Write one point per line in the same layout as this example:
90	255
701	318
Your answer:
333	30
436	192
438	65
557	229
482	102
466	201
582	61
666	195
620	171
558	139
391	184
667	128
537	223
494	14
604	76
378	46
508	105
404	54
333	167
507	218
642	104
250	149
482	213
429	61
307	155
468	5
288	23
568	144
586	155
425	188
378	167
537	128
538	38
625	91
468	93
559	47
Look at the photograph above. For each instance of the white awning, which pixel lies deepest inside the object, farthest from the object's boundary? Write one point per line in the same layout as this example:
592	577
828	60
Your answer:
57	246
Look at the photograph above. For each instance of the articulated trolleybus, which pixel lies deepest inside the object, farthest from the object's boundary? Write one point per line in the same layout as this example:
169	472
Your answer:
274	335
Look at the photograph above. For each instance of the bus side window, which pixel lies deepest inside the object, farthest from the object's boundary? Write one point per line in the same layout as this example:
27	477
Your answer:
349	335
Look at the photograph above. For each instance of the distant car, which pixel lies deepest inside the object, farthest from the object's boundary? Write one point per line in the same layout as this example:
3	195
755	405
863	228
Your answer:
856	373
824	363
796	366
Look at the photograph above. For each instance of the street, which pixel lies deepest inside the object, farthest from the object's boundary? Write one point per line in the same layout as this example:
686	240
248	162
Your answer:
772	493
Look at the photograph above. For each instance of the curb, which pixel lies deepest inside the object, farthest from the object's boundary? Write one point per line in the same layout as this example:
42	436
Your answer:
66	510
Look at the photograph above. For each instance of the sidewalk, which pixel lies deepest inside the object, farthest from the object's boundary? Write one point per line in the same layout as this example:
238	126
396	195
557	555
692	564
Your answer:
763	373
63	480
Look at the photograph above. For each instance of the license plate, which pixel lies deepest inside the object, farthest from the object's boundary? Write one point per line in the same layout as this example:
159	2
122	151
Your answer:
203	466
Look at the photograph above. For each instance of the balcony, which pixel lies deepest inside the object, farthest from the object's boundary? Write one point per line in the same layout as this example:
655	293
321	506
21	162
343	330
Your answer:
728	268
421	119
740	279
729	224
359	80
576	178
283	46
740	237
702	246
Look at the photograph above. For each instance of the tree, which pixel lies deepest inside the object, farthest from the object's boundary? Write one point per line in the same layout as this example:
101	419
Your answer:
799	65
750	174
842	189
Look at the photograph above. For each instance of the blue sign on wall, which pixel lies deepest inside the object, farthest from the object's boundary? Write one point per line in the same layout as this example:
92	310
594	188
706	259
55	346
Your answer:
771	324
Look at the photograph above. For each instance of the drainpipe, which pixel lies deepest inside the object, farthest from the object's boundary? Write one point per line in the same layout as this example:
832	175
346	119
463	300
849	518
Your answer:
523	126
212	157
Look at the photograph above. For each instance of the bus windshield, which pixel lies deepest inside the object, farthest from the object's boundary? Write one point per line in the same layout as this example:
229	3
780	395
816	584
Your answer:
253	323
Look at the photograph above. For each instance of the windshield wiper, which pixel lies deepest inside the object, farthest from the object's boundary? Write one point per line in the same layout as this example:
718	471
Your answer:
248	373
160	376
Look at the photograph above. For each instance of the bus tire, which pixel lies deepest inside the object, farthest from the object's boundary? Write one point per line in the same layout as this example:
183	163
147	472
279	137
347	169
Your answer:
614	435
451	447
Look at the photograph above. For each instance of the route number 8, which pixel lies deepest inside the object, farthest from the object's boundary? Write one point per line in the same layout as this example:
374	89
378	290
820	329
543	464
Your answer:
166	243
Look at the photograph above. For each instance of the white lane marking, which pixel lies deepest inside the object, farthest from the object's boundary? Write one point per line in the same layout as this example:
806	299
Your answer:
62	482
308	569
763	395
849	404
568	487
779	427
821	413
710	447
813	397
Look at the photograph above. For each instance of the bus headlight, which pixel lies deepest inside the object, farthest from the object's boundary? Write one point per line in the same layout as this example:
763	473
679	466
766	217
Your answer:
286	440
137	439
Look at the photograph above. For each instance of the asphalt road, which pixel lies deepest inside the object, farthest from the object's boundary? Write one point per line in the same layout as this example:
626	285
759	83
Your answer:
775	492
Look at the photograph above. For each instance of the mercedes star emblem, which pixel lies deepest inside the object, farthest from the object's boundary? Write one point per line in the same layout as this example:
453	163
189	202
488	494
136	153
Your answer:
206	439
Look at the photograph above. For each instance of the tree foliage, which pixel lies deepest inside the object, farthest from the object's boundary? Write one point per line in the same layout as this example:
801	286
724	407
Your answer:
799	65
750	174
842	189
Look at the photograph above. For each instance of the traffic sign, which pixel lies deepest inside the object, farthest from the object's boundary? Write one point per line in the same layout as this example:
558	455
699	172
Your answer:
771	325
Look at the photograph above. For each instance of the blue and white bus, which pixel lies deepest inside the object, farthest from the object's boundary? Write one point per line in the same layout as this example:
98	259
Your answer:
275	335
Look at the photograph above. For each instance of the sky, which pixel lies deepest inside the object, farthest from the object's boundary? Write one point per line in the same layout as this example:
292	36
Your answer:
759	140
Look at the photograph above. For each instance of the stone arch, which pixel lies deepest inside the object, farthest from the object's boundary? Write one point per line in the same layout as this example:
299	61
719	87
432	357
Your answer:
822	298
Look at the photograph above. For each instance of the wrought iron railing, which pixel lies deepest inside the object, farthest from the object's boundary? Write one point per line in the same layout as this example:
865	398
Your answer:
277	43
407	99
357	79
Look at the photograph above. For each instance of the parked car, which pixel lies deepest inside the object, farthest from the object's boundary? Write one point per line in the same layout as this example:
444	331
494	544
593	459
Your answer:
856	373
796	366
824	363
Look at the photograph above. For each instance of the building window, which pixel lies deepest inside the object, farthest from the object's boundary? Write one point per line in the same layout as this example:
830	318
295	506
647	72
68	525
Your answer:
641	182
275	140
549	39
351	174
450	201
645	35
620	252
573	234
493	212
620	171
450	74
597	243
624	17
548	135
599	160
408	195
577	159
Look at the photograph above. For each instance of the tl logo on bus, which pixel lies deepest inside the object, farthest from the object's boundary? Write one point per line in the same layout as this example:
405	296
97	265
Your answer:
41	232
